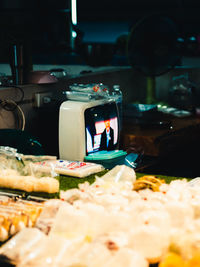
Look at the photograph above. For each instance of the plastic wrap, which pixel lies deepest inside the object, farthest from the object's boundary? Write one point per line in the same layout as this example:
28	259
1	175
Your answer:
66	167
94	91
22	243
16	215
183	93
21	164
120	173
47	253
48	215
88	91
17	172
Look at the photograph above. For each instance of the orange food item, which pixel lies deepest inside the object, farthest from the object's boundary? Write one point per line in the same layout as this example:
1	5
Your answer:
194	261
148	181
172	260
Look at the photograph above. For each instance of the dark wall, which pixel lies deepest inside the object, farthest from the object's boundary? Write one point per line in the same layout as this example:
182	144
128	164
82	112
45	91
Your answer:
184	12
44	25
124	10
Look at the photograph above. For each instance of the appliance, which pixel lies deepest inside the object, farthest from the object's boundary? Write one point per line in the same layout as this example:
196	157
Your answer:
81	126
154	49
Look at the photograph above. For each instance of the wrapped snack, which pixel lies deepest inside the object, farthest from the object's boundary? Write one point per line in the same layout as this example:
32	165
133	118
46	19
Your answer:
46	184
127	257
46	253
185	242
16	215
48	215
120	173
71	222
11	160
22	243
97	254
181	214
91	254
151	241
16	172
29	183
65	167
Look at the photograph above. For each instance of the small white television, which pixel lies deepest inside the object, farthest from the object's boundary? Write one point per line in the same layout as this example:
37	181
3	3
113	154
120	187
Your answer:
81	127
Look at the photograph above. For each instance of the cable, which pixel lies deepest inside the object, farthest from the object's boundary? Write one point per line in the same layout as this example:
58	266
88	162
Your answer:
10	105
21	90
23	117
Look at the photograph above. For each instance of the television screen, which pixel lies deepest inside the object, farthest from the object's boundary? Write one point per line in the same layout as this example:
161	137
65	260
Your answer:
102	128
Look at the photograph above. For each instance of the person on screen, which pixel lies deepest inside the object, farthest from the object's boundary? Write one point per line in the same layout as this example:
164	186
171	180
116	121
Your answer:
107	137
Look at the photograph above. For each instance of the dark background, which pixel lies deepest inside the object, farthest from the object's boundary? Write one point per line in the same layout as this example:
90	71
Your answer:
43	29
44	26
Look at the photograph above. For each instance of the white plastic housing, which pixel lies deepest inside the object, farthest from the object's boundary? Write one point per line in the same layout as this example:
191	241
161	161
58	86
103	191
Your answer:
72	140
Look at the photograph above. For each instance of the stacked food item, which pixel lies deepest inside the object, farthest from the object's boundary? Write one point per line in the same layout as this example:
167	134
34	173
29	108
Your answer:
30	173
17	172
16	215
12	180
116	221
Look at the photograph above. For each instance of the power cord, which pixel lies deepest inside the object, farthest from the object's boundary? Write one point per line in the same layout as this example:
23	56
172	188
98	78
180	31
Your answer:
10	105
22	92
20	89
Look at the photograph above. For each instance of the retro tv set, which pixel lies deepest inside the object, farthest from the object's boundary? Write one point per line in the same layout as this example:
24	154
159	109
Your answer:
81	128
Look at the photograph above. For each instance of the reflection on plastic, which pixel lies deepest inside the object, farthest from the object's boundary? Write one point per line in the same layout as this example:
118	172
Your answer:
194	182
120	173
133	160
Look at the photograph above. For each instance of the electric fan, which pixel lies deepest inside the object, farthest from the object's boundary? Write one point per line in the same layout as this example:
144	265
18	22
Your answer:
153	49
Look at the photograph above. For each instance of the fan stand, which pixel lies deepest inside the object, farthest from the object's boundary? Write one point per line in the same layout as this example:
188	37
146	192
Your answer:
150	90
152	49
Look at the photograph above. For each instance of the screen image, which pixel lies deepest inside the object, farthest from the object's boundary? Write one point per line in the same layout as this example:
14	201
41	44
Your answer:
102	128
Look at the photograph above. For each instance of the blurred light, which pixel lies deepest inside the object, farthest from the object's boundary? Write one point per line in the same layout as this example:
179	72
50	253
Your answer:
192	38
180	39
74	34
74	12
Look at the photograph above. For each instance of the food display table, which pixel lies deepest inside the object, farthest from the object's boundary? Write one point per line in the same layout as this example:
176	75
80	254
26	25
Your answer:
158	140
97	215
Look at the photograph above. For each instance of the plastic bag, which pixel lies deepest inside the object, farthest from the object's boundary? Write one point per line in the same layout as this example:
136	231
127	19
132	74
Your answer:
120	173
20	164
182	93
87	92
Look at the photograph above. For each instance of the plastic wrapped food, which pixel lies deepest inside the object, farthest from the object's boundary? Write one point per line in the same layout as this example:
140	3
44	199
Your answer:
65	167
12	161
29	183
22	243
16	215
46	253
86	92
48	215
16	172
127	257
151	241
120	173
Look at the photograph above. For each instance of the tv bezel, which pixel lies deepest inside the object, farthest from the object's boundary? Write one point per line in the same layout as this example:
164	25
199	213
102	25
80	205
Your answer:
72	132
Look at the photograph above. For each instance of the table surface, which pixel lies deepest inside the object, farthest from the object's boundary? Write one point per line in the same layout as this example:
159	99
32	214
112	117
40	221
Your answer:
157	140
